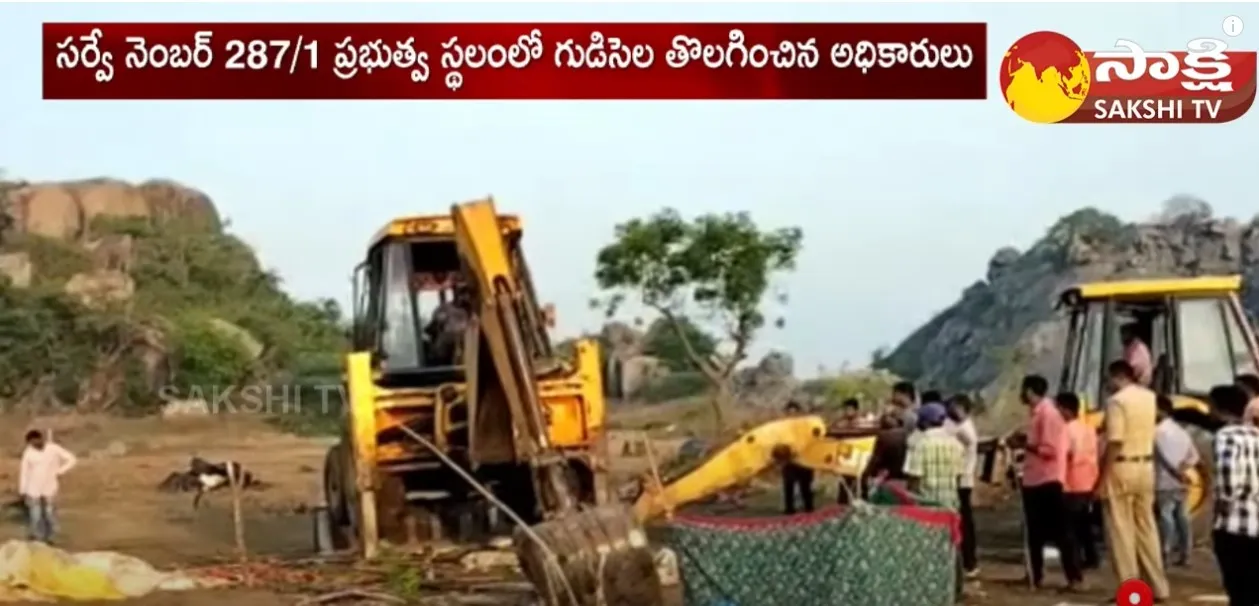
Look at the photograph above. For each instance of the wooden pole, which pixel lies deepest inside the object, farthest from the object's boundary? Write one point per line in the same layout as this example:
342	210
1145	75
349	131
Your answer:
238	518
655	476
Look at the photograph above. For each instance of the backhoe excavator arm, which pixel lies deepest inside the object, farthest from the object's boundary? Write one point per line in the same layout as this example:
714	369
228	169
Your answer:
503	322
801	440
591	557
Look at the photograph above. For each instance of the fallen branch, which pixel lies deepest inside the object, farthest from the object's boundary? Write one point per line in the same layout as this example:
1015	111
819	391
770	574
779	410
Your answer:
335	596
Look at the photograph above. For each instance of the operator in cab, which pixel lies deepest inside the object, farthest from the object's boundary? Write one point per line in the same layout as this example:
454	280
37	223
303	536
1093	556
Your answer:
445	333
1136	353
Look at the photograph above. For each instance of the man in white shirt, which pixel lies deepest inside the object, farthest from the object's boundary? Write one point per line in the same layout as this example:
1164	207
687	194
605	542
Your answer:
43	462
963	428
1174	455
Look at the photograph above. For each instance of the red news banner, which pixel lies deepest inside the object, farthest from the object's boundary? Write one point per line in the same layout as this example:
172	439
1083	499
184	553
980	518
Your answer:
633	61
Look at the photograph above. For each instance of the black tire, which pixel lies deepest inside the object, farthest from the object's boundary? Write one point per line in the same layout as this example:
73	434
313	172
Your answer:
624	575
337	497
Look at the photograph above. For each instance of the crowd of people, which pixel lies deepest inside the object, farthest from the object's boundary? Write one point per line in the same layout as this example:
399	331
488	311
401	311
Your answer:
1134	474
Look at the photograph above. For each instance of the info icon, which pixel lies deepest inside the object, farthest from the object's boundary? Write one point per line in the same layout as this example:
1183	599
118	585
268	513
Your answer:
1134	592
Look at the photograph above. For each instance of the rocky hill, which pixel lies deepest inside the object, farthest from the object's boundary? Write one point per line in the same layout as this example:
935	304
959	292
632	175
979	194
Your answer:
1006	319
111	292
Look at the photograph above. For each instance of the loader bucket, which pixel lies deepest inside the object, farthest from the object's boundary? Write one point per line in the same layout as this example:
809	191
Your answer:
602	555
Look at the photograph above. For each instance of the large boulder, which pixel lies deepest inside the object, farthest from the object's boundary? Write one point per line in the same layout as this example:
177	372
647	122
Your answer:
16	268
47	210
639	372
101	287
111	252
65	210
770	383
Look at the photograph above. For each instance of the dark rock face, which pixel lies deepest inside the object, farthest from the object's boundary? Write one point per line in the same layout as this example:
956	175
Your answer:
1011	312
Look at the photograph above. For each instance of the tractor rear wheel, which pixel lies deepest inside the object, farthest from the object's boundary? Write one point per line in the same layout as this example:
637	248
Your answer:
1201	486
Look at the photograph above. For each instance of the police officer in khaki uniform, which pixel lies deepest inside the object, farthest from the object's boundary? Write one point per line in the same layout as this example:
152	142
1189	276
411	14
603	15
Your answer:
1126	482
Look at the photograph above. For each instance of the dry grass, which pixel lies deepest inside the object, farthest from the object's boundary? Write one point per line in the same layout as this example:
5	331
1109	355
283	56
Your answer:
110	500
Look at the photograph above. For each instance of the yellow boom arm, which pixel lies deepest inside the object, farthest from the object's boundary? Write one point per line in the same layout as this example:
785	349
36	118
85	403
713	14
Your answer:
801	439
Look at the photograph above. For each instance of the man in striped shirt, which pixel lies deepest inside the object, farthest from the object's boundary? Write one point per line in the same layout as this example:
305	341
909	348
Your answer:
1236	526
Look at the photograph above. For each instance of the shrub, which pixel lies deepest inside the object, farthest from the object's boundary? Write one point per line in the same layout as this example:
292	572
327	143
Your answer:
673	386
206	358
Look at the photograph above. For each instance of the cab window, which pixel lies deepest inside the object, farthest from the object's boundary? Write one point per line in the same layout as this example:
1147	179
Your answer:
1206	349
1090	358
1243	360
367	302
399	338
359	328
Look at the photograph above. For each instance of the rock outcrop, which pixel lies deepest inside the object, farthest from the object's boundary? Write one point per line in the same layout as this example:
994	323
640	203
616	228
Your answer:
65	210
101	288
107	244
770	382
1008	316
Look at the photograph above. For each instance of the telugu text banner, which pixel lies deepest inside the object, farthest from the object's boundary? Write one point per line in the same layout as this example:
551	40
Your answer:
625	61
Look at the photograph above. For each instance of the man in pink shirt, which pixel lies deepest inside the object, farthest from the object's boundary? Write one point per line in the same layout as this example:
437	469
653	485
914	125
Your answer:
1136	353
43	462
1044	473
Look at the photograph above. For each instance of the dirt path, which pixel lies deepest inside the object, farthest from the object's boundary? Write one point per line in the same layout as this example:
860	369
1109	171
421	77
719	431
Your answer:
1002	570
110	503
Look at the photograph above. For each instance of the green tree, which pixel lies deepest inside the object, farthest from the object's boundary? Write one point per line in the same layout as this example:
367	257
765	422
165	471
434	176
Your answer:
717	266
666	342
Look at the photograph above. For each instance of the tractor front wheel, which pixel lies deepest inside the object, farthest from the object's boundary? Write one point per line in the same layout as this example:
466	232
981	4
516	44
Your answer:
339	497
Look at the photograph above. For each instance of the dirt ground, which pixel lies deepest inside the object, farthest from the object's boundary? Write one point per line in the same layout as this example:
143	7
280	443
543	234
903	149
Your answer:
110	503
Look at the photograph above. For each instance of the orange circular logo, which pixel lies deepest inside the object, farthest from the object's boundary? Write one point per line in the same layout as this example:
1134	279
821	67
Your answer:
1045	77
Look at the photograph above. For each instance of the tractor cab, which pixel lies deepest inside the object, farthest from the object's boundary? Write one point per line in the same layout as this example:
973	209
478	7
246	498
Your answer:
1196	330
409	299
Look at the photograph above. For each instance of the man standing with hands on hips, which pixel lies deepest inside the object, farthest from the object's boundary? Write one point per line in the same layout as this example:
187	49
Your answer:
43	463
1126	481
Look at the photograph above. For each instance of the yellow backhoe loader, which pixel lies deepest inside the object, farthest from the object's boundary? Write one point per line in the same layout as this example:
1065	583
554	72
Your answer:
457	399
1199	336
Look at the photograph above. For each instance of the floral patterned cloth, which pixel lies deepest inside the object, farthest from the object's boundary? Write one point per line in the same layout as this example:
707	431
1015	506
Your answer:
862	555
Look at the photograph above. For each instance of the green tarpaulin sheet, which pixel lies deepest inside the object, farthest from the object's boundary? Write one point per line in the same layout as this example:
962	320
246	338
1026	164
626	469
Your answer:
863	555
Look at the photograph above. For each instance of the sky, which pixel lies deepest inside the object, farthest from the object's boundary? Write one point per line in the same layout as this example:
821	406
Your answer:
902	203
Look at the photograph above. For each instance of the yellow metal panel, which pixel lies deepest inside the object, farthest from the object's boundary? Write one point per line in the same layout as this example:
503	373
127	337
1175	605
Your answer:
576	405
435	226
361	389
1170	286
566	424
590	373
362	394
841	456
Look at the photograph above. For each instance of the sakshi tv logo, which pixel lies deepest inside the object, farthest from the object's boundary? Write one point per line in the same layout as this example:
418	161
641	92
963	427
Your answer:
1048	79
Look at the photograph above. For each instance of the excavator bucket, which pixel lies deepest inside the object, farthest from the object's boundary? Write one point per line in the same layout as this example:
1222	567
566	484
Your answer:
595	557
